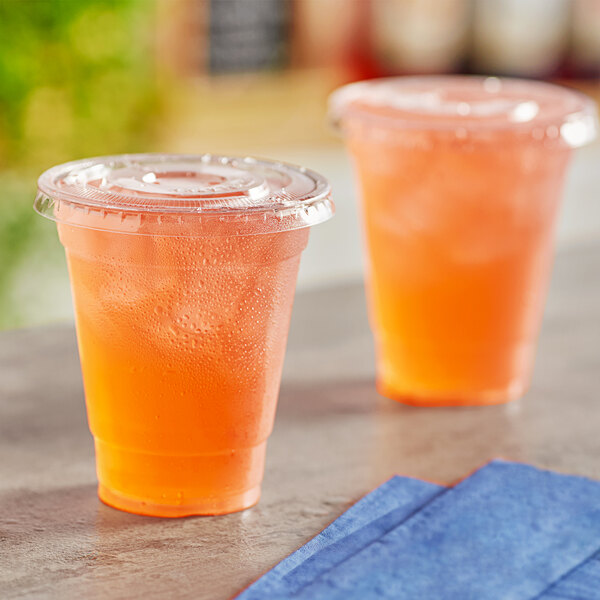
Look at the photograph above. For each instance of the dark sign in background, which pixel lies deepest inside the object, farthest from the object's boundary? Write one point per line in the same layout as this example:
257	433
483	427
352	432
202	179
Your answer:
248	35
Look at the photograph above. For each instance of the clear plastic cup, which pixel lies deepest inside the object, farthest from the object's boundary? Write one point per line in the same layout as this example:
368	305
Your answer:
183	271
461	180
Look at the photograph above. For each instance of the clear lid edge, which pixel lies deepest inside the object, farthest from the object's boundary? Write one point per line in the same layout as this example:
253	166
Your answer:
188	224
273	197
576	128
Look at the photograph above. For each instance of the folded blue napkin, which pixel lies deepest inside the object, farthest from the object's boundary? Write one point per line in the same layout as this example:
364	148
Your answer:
508	531
393	503
582	583
364	522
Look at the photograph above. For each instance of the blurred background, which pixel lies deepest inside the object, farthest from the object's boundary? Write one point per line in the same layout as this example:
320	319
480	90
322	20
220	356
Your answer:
89	77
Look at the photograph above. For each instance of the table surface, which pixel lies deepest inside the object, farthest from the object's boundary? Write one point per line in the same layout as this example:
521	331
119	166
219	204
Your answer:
334	440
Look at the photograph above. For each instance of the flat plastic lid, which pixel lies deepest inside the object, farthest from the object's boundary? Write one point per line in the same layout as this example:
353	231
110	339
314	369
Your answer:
471	104
173	186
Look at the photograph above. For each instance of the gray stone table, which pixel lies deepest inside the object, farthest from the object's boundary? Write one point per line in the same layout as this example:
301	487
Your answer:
334	440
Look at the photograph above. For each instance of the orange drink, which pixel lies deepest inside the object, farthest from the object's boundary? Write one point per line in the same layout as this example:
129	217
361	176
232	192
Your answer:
183	271
461	181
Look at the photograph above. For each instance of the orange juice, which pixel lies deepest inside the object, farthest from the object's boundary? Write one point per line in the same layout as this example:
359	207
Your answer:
182	321
460	180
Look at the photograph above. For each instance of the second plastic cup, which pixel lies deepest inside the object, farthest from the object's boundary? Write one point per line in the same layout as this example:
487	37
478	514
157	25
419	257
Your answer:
183	271
461	179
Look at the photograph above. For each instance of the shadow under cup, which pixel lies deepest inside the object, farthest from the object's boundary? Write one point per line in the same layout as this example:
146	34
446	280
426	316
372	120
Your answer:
460	180
182	315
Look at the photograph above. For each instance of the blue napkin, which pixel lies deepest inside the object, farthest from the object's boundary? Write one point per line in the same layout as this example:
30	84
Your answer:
399	495
582	583
368	519
508	531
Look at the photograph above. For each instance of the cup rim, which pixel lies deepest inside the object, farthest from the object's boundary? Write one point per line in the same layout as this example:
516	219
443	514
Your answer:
395	103
114	192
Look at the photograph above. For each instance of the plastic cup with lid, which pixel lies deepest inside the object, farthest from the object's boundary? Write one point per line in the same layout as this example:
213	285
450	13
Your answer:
182	272
461	180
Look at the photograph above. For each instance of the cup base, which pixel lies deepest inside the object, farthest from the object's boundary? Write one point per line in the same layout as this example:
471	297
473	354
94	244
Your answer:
204	507
480	398
179	485
459	374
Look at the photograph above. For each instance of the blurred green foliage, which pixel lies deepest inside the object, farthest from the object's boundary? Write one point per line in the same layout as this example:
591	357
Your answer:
76	79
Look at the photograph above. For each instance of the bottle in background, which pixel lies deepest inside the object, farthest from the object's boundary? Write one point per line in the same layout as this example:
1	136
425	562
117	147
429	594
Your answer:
420	36
525	39
585	44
